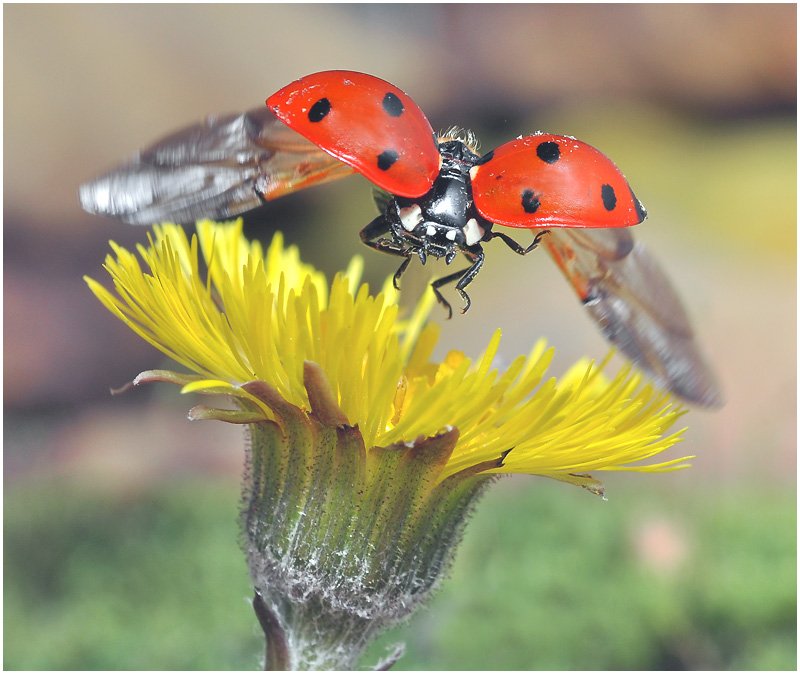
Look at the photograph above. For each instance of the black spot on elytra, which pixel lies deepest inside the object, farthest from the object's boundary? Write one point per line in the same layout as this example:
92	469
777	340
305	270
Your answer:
530	202
319	110
386	159
609	197
392	105
548	152
486	158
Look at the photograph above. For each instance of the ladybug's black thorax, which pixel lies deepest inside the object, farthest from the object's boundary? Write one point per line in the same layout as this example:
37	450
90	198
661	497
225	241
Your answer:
441	223
457	159
444	220
449	201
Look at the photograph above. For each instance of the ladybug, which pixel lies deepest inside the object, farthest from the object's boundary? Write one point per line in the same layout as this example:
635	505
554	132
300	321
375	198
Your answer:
437	196
444	198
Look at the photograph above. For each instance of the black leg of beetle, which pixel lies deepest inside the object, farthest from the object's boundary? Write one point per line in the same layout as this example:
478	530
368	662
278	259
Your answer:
537	239
379	228
468	277
464	278
513	245
438	283
399	272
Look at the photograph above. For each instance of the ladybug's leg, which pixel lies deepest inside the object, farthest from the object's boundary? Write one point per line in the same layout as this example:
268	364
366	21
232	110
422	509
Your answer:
400	270
378	228
438	283
469	275
464	278
373	235
513	245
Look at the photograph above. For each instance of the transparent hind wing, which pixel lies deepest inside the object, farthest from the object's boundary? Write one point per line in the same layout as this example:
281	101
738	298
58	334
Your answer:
629	296
217	169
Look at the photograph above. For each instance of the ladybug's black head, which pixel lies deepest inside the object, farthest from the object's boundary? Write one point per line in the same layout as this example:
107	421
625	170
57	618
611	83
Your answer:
457	152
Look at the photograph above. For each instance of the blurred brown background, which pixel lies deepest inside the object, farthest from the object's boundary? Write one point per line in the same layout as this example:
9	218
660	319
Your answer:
696	104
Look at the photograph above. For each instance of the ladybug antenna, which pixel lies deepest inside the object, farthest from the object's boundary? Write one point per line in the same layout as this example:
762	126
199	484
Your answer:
463	135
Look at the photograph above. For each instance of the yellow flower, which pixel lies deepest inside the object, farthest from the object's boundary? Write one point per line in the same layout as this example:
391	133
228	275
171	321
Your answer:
232	313
364	454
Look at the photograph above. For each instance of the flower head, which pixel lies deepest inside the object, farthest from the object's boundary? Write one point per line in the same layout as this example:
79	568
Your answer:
365	452
258	315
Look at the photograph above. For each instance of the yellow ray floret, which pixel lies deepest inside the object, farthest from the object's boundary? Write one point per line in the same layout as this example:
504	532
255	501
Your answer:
231	312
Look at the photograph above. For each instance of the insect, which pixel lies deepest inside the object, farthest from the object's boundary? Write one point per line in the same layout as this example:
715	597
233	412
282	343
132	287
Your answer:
437	197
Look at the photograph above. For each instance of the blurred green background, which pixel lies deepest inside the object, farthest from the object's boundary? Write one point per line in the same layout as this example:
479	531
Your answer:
120	541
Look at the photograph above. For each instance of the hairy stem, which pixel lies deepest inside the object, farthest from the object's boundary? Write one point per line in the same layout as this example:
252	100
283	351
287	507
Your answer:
276	658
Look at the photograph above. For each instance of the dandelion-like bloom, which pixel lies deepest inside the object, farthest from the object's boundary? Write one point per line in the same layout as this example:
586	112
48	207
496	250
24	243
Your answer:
364	453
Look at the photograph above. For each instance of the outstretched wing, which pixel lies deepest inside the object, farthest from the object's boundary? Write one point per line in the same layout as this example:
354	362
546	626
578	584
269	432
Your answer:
216	169
631	299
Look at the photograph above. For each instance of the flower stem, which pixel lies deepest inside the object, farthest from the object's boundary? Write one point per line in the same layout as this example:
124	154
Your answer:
276	658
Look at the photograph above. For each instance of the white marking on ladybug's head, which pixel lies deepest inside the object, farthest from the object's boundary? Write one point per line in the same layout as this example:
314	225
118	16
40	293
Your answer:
473	232
410	217
451	235
431	230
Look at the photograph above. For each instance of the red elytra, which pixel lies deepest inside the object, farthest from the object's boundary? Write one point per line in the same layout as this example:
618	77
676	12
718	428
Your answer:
539	181
366	123
547	180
